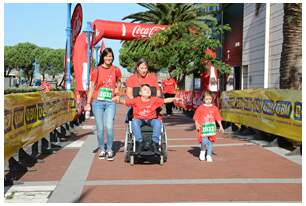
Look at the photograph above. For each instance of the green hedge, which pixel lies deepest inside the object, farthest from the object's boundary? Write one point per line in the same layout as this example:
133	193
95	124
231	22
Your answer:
28	89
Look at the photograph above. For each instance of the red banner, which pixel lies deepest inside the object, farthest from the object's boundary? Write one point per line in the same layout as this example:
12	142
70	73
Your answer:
80	62
76	24
197	99
187	99
192	99
178	94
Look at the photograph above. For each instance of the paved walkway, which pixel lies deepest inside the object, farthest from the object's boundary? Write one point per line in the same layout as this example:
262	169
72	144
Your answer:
241	171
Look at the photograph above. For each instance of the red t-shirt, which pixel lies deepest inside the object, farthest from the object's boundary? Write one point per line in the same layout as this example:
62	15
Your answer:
136	80
105	78
145	110
204	114
169	86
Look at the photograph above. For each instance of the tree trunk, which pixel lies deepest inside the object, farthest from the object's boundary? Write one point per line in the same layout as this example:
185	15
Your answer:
26	75
291	56
7	71
62	81
31	78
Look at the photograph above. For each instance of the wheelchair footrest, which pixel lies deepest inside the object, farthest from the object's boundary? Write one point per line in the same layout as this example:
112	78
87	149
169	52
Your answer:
147	153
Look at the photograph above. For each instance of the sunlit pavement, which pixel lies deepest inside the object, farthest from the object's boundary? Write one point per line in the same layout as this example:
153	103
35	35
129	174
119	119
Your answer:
241	171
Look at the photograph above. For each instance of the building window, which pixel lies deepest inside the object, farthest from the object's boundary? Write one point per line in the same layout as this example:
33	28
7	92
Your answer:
245	77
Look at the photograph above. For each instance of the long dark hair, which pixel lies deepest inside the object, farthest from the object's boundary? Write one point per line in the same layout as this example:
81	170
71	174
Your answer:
105	52
141	61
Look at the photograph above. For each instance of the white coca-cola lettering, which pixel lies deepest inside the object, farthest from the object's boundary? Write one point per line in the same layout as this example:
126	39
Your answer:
155	29
138	31
123	30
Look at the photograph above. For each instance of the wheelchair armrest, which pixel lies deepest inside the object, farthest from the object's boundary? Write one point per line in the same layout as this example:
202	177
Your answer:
130	114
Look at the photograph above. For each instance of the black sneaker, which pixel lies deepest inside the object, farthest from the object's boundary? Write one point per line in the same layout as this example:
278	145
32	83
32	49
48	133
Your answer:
110	156
138	147
155	147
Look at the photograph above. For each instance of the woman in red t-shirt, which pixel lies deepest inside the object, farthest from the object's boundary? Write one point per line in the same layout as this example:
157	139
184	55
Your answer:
141	76
205	117
105	83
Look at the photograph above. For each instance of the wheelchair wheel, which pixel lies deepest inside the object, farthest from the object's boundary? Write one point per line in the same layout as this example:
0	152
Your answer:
132	159
164	146
127	147
161	162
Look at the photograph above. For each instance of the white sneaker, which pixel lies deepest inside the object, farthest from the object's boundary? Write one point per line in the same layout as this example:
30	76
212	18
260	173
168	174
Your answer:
208	158
202	155
102	155
110	156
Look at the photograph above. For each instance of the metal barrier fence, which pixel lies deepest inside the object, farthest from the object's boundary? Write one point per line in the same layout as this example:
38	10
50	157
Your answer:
36	122
275	111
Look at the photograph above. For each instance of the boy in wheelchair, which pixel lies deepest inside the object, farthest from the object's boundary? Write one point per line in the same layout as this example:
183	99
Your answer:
144	112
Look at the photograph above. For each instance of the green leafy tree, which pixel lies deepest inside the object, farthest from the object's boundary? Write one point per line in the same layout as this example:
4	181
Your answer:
9	59
44	60
191	32
56	62
23	55
24	59
51	61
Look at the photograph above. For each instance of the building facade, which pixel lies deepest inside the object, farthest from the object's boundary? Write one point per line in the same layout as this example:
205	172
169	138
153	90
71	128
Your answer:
253	48
256	39
276	43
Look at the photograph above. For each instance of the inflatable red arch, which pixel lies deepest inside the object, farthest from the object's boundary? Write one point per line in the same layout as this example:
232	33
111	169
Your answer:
111	30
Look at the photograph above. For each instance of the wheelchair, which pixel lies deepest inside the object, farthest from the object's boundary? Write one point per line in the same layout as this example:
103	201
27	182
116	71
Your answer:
130	153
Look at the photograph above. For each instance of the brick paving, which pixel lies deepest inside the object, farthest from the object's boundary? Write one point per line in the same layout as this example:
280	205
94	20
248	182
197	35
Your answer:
241	171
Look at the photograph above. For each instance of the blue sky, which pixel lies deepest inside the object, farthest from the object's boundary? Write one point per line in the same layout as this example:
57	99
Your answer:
45	24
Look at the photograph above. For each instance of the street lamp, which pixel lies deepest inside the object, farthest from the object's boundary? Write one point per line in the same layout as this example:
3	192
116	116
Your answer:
68	30
88	31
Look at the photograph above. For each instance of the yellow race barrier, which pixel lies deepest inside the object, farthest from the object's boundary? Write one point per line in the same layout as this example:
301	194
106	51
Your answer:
31	116
274	111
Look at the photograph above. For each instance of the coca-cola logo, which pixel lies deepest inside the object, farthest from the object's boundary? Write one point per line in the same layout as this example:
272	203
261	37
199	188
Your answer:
142	32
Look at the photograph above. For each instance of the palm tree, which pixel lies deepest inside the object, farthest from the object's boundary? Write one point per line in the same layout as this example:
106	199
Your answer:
163	13
169	14
291	56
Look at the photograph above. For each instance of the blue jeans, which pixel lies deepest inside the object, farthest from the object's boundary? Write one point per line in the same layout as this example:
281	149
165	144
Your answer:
206	145
154	123
104	112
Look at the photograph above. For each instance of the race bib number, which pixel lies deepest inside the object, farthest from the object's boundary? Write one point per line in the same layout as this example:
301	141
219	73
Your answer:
208	129
105	94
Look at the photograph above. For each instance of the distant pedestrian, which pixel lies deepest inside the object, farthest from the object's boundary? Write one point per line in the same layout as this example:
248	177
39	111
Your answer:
45	86
105	83
205	117
169	88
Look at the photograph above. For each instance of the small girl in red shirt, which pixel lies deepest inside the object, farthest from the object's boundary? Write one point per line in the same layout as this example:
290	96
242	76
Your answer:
144	112
205	117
